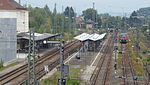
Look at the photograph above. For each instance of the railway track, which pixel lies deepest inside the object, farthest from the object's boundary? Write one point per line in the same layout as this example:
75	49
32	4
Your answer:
124	67
147	71
18	75
127	67
102	71
147	74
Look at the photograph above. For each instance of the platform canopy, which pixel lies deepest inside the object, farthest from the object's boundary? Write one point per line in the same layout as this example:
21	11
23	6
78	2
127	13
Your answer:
38	36
82	37
93	37
102	36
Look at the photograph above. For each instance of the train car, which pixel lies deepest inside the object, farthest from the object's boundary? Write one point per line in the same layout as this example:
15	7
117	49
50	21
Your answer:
123	38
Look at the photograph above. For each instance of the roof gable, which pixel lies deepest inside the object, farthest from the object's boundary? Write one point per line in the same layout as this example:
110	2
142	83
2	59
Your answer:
10	5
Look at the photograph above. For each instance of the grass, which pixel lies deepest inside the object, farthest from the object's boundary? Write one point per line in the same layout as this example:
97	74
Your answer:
5	67
52	81
119	56
73	79
119	61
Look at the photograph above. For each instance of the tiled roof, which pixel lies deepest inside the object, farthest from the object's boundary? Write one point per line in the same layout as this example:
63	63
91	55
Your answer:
10	5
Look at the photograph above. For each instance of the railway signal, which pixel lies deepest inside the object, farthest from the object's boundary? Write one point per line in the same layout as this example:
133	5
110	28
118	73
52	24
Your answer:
63	81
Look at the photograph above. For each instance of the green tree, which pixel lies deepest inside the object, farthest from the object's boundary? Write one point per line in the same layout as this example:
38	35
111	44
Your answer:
69	12
99	21
134	21
90	13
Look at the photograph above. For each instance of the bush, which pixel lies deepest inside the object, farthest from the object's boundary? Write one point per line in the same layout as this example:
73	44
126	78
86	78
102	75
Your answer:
145	51
73	82
148	58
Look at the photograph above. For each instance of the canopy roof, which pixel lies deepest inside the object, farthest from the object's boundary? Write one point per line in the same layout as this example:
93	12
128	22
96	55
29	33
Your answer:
38	36
82	37
93	37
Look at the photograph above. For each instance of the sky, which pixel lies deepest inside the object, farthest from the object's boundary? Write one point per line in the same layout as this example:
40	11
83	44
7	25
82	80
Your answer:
114	7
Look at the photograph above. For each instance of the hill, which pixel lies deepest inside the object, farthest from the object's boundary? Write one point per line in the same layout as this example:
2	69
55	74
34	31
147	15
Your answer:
143	12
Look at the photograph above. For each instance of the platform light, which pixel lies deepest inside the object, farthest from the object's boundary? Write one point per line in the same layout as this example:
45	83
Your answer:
45	42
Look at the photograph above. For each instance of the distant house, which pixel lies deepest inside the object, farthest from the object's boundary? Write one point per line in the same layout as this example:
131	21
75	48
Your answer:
89	23
11	9
80	22
13	20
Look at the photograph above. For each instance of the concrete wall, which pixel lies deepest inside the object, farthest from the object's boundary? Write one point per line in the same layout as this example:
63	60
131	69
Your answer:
22	17
8	39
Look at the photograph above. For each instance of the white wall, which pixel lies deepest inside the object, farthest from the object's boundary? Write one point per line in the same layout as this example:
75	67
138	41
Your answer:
22	17
8	39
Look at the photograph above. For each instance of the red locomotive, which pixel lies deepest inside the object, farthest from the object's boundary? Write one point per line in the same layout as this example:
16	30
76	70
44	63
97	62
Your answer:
123	38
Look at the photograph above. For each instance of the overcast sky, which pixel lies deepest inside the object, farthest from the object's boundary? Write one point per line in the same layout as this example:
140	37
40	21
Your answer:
115	7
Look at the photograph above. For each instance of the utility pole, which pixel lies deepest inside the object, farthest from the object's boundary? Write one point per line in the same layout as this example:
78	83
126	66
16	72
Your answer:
62	81
125	22
93	16
93	12
63	20
55	21
75	21
137	43
32	80
70	24
93	5
70	18
64	69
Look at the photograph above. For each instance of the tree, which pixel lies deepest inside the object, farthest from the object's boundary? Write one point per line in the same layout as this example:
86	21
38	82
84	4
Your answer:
89	13
55	10
99	21
134	21
69	12
47	10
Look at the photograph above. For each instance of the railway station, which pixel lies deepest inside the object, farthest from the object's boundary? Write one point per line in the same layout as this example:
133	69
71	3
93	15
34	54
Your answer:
74	42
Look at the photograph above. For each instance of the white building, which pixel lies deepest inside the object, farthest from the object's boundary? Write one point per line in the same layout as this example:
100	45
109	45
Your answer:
13	19
11	9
